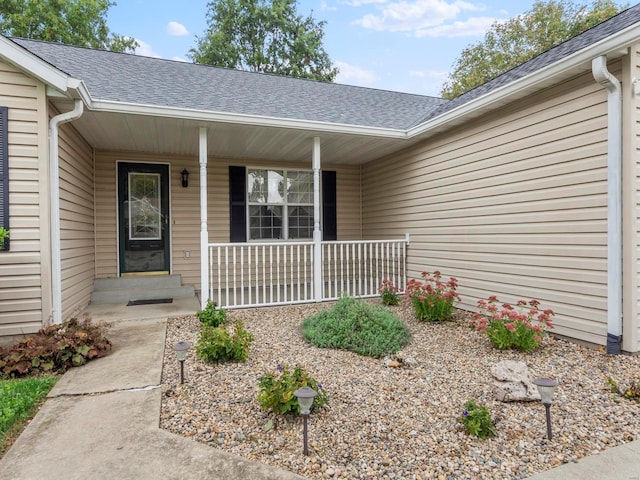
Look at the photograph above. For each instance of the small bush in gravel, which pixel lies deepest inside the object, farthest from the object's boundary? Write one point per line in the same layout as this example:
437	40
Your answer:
211	317
432	299
508	327
224	343
55	349
389	292
630	390
477	420
276	390
356	326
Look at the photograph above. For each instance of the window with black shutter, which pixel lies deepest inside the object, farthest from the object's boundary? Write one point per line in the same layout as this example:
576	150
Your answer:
275	204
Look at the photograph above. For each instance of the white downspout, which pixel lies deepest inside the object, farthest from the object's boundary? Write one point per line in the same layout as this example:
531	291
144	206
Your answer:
614	202
54	202
204	232
317	233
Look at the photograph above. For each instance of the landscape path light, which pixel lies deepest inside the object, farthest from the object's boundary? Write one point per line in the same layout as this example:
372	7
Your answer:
305	396
181	352
546	388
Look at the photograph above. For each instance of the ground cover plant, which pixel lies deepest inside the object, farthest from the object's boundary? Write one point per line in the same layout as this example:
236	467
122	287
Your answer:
19	398
432	299
519	328
356	326
55	349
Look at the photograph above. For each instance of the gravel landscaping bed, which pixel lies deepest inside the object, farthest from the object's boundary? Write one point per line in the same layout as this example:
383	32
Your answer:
400	423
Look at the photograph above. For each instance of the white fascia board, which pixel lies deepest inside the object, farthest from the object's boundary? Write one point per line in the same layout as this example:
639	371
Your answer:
613	46
244	119
25	60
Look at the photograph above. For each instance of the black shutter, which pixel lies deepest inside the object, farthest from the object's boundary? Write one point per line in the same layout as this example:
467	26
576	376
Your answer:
237	204
4	173
329	222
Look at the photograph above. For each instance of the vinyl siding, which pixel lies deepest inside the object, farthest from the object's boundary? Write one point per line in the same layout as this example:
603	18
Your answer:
185	207
77	237
24	270
513	204
631	204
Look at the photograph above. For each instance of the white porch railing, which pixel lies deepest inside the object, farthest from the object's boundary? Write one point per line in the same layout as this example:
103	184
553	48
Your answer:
260	274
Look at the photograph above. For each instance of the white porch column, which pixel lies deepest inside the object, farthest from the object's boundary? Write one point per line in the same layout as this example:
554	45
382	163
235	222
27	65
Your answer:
204	234
317	234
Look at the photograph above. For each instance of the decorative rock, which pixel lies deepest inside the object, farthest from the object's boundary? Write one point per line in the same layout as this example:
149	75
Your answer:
513	382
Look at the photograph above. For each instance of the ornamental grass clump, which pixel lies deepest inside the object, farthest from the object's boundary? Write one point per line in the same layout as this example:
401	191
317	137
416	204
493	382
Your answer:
477	420
519	328
357	326
276	390
432	299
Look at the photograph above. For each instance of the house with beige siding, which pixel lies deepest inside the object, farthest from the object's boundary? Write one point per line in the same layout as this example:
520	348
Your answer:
254	189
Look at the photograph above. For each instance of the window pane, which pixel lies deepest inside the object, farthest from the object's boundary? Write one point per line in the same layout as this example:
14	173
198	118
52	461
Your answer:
265	222
300	222
265	186
300	187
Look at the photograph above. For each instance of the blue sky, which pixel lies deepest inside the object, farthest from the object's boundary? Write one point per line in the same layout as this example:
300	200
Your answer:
401	45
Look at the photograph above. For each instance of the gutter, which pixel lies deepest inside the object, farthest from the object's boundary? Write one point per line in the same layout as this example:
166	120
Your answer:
614	202
54	202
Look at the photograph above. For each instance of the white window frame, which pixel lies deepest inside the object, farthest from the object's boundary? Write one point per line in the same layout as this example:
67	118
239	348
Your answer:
285	206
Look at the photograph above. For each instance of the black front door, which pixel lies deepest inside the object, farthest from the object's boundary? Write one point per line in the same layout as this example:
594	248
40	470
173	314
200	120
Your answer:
143	216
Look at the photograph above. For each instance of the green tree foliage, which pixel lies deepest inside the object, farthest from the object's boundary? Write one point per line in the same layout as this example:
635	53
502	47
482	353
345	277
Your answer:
264	36
509	44
73	22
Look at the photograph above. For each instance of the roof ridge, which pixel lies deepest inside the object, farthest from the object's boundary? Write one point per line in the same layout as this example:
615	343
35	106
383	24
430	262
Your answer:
227	69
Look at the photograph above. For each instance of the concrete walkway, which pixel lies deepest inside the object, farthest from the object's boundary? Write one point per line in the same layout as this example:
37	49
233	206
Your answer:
101	422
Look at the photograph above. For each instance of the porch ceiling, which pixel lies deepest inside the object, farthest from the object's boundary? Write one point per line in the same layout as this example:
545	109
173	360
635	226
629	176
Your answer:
174	136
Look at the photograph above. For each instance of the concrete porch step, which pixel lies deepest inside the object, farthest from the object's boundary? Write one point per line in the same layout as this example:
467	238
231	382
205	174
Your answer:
124	289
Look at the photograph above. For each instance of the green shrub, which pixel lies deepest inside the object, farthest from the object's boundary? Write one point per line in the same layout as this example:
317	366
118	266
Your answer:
55	349
18	399
276	390
356	326
211	317
519	328
432	299
224	343
477	420
4	234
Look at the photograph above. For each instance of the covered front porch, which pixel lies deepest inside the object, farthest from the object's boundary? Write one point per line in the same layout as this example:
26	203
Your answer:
197	228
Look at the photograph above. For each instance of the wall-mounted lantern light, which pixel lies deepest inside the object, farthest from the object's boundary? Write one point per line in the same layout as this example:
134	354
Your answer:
185	178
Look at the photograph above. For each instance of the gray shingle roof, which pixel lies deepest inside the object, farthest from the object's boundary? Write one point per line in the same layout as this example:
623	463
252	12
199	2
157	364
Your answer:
153	81
595	34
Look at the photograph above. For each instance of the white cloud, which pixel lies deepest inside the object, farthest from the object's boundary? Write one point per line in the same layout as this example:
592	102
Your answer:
176	29
352	75
358	3
476	26
180	59
405	16
428	74
145	50
325	7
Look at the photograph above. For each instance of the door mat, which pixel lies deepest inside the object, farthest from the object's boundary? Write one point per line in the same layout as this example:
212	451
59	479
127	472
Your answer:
150	301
